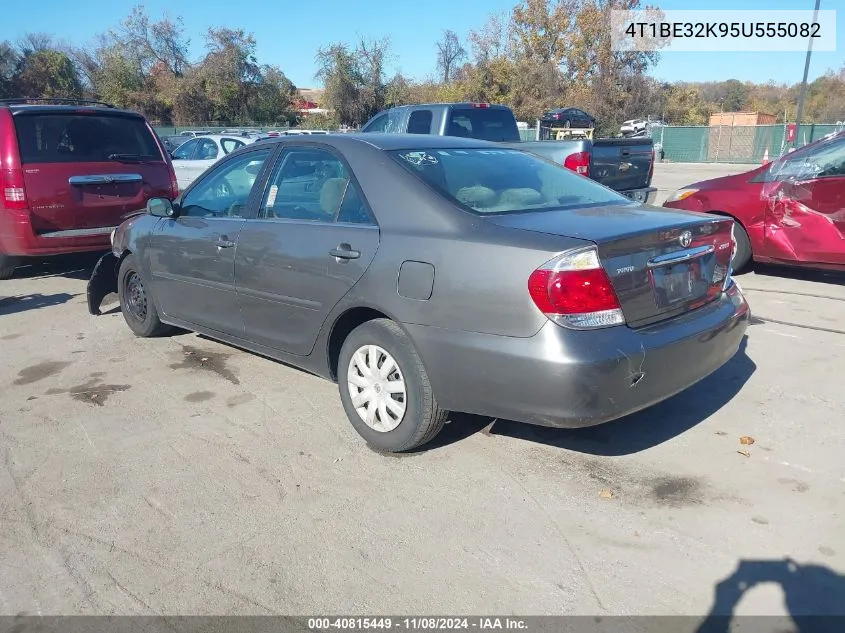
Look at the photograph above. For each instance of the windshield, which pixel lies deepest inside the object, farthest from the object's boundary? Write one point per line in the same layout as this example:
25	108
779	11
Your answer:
488	181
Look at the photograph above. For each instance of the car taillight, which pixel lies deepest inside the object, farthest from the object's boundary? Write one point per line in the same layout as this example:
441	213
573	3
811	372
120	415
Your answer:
174	183
11	184
574	291
480	105
579	162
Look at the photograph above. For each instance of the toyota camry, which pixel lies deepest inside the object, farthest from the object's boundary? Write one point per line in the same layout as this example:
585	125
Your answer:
431	274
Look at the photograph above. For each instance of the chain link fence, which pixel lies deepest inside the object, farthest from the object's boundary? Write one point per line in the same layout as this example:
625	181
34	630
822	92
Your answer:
732	144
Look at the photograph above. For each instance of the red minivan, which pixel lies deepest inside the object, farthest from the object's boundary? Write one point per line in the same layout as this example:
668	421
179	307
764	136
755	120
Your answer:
70	170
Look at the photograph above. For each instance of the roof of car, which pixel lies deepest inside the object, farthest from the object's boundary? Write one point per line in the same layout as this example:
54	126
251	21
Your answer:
386	141
68	108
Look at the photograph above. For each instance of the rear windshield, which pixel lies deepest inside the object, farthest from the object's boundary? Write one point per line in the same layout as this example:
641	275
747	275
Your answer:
487	124
69	138
493	181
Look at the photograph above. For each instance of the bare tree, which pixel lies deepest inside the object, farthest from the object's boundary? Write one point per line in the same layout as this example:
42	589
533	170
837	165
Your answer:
449	53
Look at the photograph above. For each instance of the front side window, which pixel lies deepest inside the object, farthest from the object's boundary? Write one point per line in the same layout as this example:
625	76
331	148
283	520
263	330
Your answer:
491	181
207	150
186	150
379	124
824	160
225	190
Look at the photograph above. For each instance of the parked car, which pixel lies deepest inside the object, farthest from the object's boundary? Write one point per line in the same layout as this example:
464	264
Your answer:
625	165
633	126
568	117
193	133
430	274
69	172
172	142
196	155
790	211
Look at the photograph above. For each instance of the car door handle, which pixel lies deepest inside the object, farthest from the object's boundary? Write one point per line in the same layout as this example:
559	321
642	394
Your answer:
222	242
344	251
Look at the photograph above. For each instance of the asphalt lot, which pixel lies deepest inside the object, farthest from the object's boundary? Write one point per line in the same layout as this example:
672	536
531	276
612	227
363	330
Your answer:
183	476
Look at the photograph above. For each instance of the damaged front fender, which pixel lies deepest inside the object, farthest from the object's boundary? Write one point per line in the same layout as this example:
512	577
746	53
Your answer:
103	281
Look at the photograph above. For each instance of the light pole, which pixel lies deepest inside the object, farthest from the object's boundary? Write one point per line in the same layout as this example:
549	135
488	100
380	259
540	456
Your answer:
803	89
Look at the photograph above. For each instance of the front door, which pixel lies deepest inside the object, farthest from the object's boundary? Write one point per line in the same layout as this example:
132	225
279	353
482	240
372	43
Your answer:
312	241
192	257
805	205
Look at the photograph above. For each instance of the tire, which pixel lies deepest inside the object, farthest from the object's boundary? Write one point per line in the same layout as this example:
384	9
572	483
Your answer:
567	124
7	266
421	418
136	303
743	249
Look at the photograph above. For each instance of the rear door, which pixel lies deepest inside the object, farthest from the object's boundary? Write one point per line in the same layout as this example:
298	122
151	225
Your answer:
85	169
313	240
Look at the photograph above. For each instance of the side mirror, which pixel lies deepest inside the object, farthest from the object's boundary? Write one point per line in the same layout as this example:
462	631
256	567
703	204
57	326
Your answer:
161	208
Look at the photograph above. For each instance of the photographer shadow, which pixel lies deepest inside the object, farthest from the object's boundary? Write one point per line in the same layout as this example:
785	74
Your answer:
814	596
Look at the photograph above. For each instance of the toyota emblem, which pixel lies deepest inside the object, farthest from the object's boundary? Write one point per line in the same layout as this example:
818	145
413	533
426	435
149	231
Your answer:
685	239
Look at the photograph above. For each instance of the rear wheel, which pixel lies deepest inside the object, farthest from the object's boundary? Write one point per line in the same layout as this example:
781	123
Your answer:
385	389
7	266
743	248
136	303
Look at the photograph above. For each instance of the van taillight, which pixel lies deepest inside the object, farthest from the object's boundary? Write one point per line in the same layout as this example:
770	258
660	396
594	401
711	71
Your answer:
11	184
174	183
579	162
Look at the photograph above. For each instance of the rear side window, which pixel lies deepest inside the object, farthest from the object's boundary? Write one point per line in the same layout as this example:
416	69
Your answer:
420	122
488	124
70	138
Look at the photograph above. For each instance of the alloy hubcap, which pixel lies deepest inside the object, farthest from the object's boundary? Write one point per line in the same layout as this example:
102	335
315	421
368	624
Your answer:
136	297
377	388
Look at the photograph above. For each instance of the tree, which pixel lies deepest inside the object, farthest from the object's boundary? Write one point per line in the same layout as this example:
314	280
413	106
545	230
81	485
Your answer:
48	73
342	79
449	53
734	95
354	80
154	43
9	61
540	29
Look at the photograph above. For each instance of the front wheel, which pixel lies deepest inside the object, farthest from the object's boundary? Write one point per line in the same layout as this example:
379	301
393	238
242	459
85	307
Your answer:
743	248
385	389
136	303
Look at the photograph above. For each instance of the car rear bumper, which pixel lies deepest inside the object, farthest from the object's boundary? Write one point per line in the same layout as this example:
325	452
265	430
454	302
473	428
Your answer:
18	239
569	378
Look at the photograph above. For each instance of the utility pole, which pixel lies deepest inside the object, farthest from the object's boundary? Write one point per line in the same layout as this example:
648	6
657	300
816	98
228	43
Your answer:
804	82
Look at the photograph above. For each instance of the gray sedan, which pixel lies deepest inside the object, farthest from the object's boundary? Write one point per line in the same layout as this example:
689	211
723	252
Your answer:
430	274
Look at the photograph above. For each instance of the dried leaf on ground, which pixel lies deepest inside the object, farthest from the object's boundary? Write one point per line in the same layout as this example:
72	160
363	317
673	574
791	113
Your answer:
746	440
606	494
744	452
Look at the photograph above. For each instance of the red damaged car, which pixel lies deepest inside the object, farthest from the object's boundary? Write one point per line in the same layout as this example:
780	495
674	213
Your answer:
790	211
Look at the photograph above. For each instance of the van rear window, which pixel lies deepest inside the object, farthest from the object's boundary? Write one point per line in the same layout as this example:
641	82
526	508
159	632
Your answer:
71	138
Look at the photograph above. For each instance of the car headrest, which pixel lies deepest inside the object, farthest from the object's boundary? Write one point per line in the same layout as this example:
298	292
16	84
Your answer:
331	194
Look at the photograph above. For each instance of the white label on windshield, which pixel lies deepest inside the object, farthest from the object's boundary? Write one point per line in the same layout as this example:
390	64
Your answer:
271	197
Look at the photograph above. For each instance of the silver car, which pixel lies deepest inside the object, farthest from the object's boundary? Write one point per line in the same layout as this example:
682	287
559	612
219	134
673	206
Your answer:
429	274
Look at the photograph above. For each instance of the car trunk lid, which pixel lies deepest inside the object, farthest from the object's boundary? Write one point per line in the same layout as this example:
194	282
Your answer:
86	169
662	263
